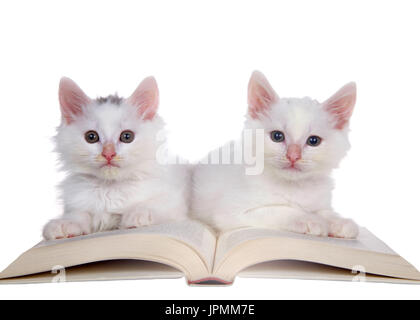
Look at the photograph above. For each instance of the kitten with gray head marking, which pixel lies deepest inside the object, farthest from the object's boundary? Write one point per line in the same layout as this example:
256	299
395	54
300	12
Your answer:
108	148
303	141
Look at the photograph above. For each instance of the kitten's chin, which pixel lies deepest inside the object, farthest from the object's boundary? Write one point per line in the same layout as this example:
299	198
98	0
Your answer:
295	174
103	173
110	173
292	174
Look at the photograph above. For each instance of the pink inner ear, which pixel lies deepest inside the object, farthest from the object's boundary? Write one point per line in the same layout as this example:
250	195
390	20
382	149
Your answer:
72	99
146	98
260	95
341	105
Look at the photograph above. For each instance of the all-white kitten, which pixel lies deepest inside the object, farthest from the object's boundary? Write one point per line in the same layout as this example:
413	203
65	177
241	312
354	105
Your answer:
303	141
108	147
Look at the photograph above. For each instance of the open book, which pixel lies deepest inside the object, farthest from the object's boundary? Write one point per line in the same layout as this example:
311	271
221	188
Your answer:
192	250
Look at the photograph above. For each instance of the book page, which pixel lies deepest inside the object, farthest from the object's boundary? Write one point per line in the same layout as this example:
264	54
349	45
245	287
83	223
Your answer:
292	269
103	270
195	234
231	239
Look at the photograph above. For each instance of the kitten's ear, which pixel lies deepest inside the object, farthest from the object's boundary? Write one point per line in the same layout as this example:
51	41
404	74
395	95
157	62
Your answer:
72	99
146	98
341	105
260	95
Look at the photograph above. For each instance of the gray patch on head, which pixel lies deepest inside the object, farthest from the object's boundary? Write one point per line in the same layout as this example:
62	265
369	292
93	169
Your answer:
112	98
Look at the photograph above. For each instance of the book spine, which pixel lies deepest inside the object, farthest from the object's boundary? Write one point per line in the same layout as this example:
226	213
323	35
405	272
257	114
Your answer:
210	281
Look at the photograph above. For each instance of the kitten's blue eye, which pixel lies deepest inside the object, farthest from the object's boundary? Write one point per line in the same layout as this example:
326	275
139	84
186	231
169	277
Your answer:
127	136
313	141
91	136
277	136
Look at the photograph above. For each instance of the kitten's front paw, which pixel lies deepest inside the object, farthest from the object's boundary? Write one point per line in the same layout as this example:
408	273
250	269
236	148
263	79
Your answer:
309	224
61	228
135	220
342	228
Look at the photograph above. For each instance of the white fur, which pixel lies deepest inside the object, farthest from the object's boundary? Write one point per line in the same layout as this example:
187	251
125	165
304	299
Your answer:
139	192
299	201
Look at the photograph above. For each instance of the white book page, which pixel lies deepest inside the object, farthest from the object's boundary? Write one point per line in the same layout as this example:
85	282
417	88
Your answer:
195	234
365	241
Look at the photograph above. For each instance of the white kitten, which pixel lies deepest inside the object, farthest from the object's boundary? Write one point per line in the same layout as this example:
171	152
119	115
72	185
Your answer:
303	141
108	148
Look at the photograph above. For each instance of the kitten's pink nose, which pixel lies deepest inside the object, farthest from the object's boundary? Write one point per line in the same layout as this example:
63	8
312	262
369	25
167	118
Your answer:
108	152
294	153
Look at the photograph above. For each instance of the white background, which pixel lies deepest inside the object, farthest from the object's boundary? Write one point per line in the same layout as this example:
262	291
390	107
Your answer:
202	54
